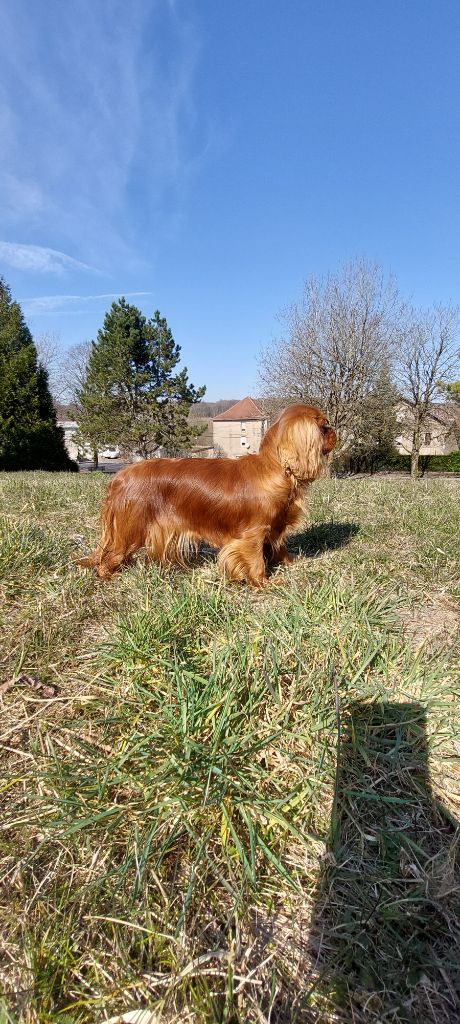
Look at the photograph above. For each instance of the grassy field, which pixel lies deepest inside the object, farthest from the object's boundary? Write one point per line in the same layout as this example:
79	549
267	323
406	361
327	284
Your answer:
227	805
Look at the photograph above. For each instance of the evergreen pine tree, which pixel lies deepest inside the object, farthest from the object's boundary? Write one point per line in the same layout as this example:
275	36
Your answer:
29	435
131	395
451	391
379	423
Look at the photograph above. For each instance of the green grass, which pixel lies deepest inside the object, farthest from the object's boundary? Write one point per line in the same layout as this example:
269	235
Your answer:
239	806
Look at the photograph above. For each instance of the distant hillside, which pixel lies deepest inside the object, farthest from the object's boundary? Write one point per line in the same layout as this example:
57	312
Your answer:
206	410
200	411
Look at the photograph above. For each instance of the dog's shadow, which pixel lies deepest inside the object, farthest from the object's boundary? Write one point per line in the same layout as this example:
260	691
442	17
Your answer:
315	540
309	543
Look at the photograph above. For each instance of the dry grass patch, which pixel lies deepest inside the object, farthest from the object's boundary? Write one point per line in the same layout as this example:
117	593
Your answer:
237	807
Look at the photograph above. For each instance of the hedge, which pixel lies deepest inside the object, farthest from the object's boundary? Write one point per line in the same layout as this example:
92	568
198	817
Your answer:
427	463
393	462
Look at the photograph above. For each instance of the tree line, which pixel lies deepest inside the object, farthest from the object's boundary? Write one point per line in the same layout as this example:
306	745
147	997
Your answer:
124	388
351	344
373	362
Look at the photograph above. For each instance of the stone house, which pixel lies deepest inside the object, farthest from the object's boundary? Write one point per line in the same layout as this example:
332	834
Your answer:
240	429
441	430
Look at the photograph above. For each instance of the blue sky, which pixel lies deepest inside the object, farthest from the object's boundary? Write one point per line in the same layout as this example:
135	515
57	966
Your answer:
204	157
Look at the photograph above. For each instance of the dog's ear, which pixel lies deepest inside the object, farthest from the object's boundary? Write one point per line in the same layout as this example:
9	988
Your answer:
300	448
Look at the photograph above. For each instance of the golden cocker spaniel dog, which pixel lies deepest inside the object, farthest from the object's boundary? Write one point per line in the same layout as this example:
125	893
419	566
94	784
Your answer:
245	507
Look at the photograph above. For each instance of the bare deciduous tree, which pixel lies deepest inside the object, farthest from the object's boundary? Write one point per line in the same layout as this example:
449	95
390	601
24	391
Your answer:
428	353
71	373
49	356
70	378
337	345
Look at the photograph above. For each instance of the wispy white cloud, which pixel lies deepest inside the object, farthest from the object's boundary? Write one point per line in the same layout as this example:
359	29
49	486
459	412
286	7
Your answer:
65	303
97	98
38	258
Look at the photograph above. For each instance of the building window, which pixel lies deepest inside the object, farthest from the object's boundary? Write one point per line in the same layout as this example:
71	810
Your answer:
243	442
243	426
427	438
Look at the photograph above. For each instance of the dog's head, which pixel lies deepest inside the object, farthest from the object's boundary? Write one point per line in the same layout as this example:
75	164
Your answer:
300	440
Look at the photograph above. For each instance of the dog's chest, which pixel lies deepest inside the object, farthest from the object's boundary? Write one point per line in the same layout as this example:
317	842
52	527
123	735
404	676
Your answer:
294	511
289	514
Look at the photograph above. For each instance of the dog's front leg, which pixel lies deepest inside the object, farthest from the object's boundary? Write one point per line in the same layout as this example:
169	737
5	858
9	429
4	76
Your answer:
243	558
278	555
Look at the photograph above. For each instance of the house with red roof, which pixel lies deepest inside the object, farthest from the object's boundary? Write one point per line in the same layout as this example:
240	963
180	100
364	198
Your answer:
240	429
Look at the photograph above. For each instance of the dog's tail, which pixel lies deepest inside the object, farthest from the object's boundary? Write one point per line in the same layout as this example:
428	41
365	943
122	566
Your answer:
120	538
99	559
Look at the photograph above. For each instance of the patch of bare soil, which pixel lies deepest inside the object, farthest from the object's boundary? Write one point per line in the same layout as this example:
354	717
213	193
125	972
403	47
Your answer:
438	618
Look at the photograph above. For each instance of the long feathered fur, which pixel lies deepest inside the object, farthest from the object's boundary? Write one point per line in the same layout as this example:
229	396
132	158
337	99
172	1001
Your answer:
245	507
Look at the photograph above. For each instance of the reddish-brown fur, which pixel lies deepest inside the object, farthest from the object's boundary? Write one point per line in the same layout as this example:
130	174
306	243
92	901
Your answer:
244	506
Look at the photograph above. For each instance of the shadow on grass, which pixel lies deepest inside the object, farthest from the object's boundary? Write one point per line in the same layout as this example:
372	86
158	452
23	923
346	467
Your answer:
384	940
323	537
311	543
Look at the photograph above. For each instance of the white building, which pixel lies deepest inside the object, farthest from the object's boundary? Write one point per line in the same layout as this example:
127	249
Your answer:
70	428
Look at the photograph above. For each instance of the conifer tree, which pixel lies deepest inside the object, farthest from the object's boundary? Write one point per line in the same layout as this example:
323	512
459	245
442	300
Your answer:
29	435
374	443
451	391
131	395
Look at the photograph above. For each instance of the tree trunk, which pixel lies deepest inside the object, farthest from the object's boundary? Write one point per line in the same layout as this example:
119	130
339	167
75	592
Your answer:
416	445
414	459
95	458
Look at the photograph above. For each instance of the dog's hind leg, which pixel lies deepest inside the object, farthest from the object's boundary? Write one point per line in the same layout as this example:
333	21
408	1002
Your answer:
166	544
157	539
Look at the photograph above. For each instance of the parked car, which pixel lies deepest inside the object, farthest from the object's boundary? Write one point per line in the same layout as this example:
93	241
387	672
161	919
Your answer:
111	452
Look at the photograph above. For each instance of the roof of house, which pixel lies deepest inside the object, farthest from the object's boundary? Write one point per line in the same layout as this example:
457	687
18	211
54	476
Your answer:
246	409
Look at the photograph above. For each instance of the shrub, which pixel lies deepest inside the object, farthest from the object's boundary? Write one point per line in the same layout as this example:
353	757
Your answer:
397	463
428	463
